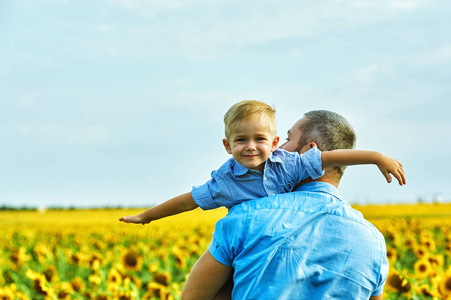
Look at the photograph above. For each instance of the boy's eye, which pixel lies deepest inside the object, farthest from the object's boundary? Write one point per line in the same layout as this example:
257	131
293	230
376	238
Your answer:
261	139
240	140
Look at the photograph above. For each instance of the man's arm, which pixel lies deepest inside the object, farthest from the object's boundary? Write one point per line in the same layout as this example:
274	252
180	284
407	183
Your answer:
347	157
171	207
206	279
378	297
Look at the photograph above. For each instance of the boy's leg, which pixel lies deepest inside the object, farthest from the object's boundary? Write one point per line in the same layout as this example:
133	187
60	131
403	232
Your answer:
206	279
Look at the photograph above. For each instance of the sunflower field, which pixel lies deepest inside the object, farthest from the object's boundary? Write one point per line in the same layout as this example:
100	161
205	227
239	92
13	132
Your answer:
89	254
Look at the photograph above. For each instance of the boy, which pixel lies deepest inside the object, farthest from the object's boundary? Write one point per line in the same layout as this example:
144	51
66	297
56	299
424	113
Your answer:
258	168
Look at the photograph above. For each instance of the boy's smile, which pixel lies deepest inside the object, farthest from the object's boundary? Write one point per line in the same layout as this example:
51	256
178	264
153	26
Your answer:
251	142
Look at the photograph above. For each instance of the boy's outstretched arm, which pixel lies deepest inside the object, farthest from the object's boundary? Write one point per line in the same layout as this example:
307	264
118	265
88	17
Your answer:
171	207
347	157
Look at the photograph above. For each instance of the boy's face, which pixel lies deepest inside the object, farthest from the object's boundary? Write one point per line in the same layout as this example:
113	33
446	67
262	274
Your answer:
251	142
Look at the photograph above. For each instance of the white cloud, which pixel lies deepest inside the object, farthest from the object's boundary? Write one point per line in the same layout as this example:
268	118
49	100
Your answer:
365	76
390	5
76	135
206	33
433	57
441	55
25	129
152	7
27	101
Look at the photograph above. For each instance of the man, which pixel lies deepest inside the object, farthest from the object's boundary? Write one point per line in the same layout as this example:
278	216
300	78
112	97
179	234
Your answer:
308	244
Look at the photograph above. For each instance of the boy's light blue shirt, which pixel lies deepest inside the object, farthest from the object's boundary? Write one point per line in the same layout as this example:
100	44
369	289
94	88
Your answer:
308	244
233	183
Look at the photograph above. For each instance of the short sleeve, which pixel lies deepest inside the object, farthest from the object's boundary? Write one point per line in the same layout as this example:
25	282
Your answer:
203	197
310	164
219	191
382	276
228	236
220	253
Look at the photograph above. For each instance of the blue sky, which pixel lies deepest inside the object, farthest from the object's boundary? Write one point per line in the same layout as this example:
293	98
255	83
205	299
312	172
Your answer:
114	102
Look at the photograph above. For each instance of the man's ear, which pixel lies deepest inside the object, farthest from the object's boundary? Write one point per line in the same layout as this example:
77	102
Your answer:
312	144
275	143
227	146
307	147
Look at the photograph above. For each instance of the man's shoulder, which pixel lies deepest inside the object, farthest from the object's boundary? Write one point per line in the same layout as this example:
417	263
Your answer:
323	200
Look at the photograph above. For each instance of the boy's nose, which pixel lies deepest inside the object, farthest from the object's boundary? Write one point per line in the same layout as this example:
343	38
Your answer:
251	147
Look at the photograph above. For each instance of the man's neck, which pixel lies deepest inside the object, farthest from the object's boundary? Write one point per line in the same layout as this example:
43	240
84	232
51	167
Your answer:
325	178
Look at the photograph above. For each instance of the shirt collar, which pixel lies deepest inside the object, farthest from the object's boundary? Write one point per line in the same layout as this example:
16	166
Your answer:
319	186
239	169
275	156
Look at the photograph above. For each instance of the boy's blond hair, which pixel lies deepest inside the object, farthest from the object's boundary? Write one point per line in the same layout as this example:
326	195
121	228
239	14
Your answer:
245	111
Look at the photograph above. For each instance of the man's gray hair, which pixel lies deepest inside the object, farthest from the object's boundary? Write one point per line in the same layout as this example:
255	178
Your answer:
329	130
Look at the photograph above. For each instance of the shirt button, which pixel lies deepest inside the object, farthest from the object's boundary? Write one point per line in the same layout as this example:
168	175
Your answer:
264	178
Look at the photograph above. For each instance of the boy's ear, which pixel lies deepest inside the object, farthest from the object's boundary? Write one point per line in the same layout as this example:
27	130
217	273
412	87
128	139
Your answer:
227	146
275	143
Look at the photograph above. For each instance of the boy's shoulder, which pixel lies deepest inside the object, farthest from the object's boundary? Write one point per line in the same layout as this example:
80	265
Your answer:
282	152
280	155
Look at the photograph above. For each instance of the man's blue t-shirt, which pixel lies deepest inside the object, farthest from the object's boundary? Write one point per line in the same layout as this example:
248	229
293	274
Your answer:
308	244
233	183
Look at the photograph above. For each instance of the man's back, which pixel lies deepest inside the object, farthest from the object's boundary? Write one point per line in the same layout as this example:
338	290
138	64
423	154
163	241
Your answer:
309	244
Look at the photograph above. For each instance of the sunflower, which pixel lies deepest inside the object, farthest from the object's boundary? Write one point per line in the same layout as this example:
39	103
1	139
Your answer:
11	293
132	260
77	284
114	276
448	248
180	261
114	280
96	256
77	258
445	284
126	295
162	254
153	289
6	293
425	290
421	251
64	290
101	297
410	242
422	268
153	268
437	260
20	256
157	290
42	252
95	266
162	278
127	279
41	286
392	255
397	282
95	279
99	245
429	243
51	274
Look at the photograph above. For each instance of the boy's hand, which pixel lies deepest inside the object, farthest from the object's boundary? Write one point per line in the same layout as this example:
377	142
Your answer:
388	165
133	219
